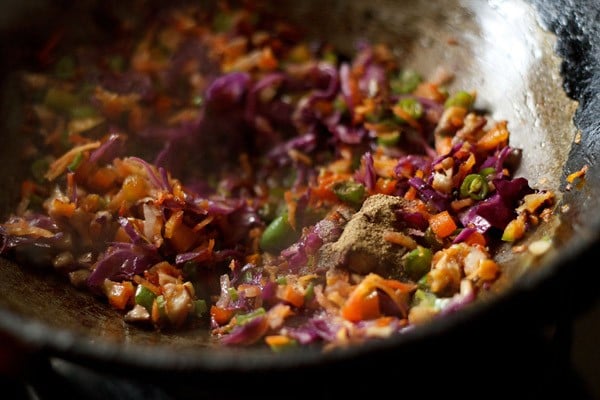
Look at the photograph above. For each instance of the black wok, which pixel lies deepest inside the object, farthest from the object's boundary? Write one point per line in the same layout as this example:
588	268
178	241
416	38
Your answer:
534	63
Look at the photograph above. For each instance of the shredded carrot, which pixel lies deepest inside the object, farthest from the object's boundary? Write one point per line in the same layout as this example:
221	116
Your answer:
494	137
577	174
61	208
400	239
430	91
411	193
443	144
45	55
291	207
267	60
397	285
60	165
400	112
155	314
181	236
385	166
278	341
324	189
149	285
464	169
28	187
461	203
205	250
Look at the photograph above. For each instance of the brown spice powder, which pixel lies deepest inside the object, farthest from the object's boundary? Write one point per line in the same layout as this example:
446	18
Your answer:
362	247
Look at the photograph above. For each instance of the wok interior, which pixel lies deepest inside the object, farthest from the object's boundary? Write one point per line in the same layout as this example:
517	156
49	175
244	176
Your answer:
501	52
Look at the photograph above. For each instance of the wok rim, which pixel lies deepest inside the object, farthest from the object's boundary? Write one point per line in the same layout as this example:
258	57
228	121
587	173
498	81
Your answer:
57	342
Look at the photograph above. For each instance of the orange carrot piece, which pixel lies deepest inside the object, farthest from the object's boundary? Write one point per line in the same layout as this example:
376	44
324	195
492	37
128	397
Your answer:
119	294
267	60
443	144
442	224
290	294
221	315
359	307
61	208
394	284
385	185
476	238
102	179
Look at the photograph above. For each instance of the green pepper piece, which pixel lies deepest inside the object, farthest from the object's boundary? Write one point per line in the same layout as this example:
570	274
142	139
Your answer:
350	192
116	63
460	99
233	294
422	297
278	235
83	111
423	283
200	307
190	270
197	100
406	82
242	319
474	186
412	107
60	100
161	303
144	297
417	262
281	280
309	293
339	104
487	171
76	162
432	240
222	22
39	168
330	57
65	67
388	139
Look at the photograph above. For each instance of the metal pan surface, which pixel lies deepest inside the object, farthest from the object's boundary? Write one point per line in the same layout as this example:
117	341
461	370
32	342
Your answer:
535	64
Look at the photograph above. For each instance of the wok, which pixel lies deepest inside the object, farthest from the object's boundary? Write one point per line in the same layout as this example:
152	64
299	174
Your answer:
533	63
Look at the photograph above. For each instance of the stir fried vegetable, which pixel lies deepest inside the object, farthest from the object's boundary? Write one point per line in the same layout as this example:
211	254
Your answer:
217	169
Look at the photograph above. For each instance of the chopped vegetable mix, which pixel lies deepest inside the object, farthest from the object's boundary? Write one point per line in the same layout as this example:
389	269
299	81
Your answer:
217	170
